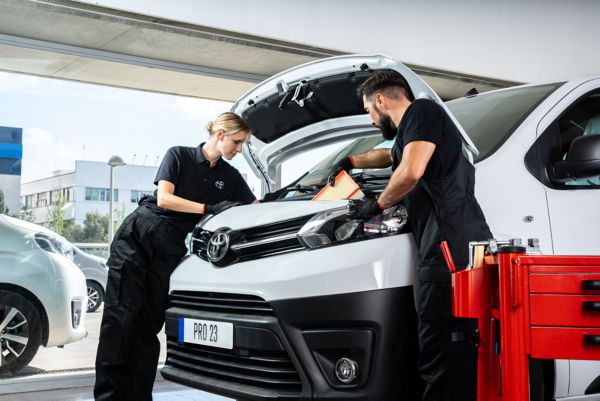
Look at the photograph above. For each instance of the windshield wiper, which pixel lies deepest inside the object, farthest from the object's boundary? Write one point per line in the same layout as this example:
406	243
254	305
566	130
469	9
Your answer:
271	196
301	188
364	177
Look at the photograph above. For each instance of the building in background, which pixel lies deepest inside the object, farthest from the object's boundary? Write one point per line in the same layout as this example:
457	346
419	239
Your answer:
11	153
86	190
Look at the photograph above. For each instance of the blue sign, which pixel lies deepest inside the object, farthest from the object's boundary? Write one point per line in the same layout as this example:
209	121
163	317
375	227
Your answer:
11	150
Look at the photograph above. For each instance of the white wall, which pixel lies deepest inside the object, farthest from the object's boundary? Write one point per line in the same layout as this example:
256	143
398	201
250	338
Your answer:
97	175
48	184
526	41
10	185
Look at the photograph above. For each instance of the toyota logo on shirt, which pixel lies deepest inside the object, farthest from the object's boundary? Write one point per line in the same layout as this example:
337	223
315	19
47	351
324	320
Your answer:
220	184
218	245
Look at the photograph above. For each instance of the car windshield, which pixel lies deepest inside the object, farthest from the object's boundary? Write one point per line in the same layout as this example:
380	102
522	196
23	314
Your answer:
312	181
490	118
319	173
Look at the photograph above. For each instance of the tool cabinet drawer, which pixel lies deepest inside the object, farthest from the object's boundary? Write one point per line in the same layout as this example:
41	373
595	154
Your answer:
564	310
564	283
565	343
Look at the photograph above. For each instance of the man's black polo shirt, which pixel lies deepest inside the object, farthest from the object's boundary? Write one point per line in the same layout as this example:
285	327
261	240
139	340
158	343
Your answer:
194	179
425	120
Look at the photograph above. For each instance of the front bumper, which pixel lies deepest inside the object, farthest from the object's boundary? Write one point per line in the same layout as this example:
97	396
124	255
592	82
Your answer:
287	349
66	304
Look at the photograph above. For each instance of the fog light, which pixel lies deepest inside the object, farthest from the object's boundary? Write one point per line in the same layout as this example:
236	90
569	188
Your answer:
76	309
346	370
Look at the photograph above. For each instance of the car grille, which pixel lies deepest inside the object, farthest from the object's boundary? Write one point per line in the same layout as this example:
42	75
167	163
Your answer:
218	302
270	369
256	242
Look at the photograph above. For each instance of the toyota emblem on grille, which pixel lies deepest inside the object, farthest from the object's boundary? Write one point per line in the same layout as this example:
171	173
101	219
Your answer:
218	245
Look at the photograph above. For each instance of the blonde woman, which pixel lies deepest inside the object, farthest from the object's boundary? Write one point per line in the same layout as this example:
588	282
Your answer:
148	246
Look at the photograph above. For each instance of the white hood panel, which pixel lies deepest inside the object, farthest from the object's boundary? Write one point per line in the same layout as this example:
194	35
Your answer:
248	216
265	158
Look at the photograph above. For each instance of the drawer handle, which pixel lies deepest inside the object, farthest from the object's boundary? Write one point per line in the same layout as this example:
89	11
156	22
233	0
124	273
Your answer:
591	306
590	339
591	285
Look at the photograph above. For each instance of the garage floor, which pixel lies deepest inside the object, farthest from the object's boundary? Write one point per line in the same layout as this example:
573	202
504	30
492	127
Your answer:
163	391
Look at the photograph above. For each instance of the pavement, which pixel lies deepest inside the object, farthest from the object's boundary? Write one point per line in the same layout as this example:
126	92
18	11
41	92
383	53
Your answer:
67	374
79	355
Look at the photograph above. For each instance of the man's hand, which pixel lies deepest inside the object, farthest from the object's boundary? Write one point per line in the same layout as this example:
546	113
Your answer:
220	207
364	208
344	165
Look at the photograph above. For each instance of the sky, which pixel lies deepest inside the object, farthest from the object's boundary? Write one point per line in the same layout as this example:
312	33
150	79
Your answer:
64	121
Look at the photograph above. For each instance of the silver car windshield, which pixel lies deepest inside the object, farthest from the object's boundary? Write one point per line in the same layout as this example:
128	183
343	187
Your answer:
490	118
319	173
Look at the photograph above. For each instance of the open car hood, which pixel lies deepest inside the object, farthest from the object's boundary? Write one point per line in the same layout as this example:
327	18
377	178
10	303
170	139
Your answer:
313	105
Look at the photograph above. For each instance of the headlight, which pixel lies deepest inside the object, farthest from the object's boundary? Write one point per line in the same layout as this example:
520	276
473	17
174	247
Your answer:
334	227
54	244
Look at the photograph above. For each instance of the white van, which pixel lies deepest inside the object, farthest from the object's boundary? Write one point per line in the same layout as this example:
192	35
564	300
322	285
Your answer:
286	304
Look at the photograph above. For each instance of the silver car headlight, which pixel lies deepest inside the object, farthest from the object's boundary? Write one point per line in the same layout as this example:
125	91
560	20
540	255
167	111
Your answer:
335	227
54	244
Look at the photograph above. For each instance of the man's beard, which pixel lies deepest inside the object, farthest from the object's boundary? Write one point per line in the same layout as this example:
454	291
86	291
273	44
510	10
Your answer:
386	125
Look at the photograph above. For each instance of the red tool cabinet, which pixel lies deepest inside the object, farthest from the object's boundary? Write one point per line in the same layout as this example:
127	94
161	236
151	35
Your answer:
528	305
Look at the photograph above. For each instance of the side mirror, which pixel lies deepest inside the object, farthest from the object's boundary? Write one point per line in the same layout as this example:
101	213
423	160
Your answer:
583	160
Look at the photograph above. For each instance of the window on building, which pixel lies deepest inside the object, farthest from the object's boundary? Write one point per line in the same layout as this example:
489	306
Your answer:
30	201
137	195
69	194
100	194
42	199
55	196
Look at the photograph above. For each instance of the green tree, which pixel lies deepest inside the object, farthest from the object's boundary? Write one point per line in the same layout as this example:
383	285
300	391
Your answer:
95	227
56	214
3	207
73	231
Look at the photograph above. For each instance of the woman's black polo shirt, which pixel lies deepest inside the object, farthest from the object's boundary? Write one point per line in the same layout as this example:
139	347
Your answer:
194	179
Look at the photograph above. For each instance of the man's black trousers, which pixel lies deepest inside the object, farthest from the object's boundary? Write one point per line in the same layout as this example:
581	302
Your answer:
448	358
144	253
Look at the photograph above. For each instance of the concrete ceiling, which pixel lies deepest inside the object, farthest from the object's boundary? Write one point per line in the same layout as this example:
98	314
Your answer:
70	40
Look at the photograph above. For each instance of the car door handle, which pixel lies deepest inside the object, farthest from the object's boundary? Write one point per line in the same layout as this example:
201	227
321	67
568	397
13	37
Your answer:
590	306
590	285
590	339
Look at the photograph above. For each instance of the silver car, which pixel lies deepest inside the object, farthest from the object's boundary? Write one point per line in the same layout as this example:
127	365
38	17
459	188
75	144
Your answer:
96	273
42	293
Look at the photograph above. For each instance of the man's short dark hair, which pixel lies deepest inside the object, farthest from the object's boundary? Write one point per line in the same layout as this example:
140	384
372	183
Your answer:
387	81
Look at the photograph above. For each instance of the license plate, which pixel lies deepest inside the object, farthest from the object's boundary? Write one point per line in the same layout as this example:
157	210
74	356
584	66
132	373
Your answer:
206	332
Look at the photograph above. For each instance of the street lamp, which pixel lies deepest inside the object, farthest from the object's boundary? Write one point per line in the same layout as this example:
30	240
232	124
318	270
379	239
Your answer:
114	161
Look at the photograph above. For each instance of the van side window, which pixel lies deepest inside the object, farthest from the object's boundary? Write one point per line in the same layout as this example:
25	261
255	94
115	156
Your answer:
582	118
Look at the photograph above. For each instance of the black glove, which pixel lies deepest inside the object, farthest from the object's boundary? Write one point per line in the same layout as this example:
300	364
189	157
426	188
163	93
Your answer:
220	207
345	164
364	208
